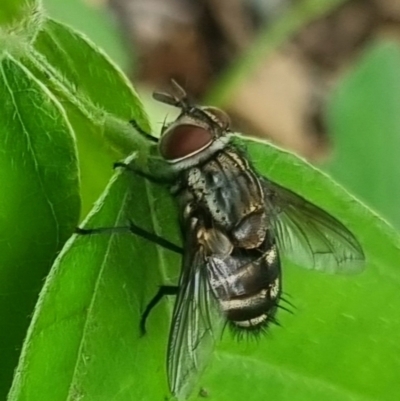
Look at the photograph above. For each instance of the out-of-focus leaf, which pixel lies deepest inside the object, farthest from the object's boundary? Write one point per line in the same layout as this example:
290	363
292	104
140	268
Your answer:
39	206
299	15
341	343
365	123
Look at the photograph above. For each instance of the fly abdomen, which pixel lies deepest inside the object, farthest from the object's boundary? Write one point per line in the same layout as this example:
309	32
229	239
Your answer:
255	310
249	293
249	310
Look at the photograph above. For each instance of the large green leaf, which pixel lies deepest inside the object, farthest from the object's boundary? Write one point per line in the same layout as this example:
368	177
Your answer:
343	341
45	95
341	344
39	205
86	323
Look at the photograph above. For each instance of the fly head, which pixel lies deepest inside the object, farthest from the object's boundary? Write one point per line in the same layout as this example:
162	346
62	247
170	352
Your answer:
196	134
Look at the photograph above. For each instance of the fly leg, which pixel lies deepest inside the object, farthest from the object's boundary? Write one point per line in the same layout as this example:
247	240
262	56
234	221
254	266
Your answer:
156	179
135	125
161	293
136	230
152	178
164	179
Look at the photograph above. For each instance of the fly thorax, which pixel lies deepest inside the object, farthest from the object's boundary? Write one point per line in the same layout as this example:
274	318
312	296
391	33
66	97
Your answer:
210	192
231	193
251	230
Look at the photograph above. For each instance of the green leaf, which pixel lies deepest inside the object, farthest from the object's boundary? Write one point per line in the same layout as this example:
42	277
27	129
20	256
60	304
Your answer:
14	12
86	324
97	98
95	20
87	78
40	203
52	91
88	72
365	123
340	344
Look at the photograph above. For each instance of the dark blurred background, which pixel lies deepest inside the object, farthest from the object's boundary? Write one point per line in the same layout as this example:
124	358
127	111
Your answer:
319	78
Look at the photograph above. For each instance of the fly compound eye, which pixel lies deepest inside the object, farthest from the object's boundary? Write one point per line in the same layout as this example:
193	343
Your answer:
183	141
219	116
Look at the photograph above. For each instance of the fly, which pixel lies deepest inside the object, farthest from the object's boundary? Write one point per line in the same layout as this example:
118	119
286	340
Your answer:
235	225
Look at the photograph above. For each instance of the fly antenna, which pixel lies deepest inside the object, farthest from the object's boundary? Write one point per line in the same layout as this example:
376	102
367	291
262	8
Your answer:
179	91
178	96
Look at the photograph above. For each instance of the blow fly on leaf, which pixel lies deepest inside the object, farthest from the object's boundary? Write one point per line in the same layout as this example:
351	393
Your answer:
235	224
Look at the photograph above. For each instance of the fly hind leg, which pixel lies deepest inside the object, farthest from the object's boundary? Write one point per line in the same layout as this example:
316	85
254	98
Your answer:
136	230
162	292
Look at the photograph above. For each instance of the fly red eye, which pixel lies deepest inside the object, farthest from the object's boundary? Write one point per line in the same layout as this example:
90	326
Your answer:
219	116
184	140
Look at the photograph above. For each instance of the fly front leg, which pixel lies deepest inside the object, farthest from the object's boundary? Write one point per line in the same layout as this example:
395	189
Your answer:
164	175
142	132
149	177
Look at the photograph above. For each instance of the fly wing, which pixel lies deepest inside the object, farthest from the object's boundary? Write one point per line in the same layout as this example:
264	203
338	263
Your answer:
309	236
196	322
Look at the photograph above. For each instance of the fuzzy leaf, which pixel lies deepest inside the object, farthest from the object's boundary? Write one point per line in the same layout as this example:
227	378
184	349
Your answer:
40	203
